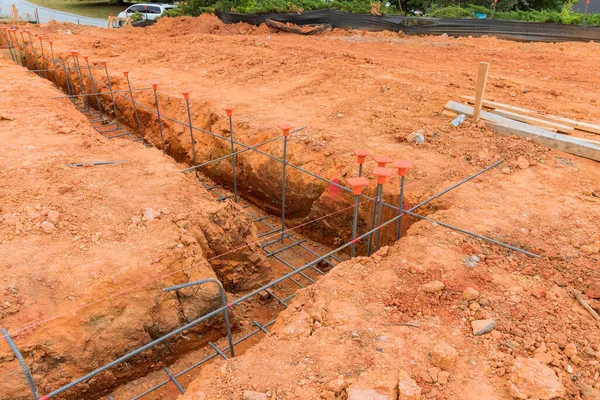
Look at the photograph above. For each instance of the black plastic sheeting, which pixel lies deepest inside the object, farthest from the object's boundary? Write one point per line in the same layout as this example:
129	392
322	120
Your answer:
511	30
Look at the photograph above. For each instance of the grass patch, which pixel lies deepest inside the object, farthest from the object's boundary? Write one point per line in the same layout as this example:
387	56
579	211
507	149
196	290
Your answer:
95	9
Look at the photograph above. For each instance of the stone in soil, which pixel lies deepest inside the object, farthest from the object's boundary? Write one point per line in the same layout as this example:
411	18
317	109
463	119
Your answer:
570	350
482	326
433	286
471	261
470	294
408	389
444	356
249	395
532	379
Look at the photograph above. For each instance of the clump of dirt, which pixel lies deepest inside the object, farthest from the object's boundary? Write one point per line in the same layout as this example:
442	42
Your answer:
85	251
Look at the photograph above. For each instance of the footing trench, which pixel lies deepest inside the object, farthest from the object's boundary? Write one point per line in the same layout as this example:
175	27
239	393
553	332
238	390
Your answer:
360	222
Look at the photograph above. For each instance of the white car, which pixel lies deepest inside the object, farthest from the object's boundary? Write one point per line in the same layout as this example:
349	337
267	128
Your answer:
148	11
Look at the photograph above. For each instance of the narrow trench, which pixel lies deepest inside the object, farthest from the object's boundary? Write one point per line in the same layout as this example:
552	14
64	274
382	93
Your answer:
307	202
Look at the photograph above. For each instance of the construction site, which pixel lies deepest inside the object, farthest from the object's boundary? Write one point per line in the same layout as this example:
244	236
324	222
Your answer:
197	210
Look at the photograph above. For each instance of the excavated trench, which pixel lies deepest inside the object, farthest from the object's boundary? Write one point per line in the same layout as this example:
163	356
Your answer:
259	182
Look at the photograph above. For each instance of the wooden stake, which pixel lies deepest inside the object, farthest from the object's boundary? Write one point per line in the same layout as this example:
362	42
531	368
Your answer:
481	81
584	303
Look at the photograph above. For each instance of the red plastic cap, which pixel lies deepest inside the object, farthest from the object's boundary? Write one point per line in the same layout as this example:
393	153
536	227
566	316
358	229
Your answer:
403	166
74	53
286	128
40	37
357	184
154	84
104	63
361	154
382	174
186	94
229	111
50	41
126	73
382	160
85	57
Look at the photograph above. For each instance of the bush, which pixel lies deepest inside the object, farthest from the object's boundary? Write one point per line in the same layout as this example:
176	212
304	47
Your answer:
136	17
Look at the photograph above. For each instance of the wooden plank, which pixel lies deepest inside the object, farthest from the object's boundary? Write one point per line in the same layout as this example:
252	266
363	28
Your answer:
508	127
584	126
534	121
480	89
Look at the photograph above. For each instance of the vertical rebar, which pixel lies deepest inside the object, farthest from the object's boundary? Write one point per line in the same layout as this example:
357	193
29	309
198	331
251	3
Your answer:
40	37
24	51
380	211
587	3
373	219
360	170
223	302
17	48
75	55
160	128
354	225
9	44
69	82
400	204
112	95
186	96
135	113
283	186
21	360
53	63
230	115
94	90
37	64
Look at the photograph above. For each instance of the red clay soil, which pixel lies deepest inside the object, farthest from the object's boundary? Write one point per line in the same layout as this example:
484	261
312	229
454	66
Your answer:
344	337
102	240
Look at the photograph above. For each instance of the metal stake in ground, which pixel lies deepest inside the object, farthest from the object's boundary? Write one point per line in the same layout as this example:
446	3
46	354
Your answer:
229	111
112	95
223	303
24	51
53	62
40	37
75	54
160	128
285	128
17	353
186	96
381	163
37	64
9	44
357	184
361	155
403	166
94	90
382	175
137	119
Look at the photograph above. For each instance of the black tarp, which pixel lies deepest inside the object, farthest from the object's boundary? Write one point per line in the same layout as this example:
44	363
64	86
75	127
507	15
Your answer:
511	30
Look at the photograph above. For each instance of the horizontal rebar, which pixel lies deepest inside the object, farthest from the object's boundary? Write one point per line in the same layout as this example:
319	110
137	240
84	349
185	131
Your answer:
487	239
289	246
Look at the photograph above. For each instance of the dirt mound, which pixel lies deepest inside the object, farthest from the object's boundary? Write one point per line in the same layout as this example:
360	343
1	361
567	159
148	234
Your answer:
205	23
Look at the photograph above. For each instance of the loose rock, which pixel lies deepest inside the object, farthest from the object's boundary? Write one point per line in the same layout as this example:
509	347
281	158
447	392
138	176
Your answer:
48	227
570	350
482	326
408	388
433	286
470	294
532	379
249	395
444	356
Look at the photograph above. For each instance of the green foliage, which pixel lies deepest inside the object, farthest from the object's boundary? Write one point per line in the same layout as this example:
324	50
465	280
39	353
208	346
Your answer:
172	13
136	16
562	17
196	7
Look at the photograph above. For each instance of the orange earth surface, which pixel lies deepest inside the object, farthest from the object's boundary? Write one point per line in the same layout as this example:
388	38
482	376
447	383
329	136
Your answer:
400	324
